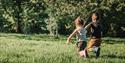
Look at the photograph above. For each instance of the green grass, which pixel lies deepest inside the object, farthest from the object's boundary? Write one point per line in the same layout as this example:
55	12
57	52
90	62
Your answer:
20	48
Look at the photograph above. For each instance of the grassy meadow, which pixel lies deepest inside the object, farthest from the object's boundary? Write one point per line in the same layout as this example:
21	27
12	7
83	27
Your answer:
20	48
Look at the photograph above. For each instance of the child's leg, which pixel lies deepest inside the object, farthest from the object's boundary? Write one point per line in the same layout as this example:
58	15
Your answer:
90	45
82	49
86	53
96	48
94	45
98	52
78	44
79	49
83	53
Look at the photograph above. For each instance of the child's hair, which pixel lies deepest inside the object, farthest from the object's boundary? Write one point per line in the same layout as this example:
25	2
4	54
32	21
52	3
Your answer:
81	21
97	14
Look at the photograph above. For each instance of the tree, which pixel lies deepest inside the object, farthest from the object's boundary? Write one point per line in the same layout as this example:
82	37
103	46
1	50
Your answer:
22	15
55	16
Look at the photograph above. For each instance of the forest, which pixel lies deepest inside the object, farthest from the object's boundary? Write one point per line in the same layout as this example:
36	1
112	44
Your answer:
55	17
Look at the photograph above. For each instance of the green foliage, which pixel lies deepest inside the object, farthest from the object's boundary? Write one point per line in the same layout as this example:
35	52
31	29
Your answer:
55	16
23	16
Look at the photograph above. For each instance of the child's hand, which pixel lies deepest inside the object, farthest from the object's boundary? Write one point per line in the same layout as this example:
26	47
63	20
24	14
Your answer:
68	42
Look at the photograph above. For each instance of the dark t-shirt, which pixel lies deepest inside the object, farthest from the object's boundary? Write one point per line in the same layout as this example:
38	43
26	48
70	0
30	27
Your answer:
96	30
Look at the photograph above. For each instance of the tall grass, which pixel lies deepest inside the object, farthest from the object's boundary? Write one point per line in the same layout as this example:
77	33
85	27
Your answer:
19	48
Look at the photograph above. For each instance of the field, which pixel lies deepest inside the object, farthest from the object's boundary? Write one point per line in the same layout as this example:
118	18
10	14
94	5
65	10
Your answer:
20	48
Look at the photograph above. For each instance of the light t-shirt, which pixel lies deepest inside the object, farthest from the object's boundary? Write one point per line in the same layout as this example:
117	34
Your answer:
81	35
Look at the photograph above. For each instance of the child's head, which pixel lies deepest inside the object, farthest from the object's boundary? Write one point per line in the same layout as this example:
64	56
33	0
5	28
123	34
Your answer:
79	22
95	16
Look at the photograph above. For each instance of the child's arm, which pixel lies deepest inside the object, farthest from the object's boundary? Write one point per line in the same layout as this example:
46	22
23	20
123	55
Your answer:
71	35
88	26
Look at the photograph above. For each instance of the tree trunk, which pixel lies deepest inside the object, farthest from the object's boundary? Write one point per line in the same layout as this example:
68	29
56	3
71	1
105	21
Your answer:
19	10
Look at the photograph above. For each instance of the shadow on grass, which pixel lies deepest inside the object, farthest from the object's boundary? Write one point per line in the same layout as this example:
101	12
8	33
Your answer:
107	57
113	42
114	56
45	37
31	37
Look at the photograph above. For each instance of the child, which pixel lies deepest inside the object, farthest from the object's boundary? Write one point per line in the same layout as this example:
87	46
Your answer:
95	39
80	32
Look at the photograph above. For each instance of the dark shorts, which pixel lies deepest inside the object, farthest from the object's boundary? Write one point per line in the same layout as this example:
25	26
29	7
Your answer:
81	45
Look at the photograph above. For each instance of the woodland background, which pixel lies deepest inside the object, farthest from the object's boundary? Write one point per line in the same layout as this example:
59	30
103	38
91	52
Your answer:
55	17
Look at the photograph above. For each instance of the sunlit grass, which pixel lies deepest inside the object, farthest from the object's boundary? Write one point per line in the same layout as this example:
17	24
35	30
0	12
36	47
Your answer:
18	48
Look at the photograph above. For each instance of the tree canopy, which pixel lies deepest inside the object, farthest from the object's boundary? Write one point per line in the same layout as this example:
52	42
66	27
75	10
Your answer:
56	16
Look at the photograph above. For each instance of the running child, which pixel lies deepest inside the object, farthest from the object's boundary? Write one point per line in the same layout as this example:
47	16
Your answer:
95	38
80	33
